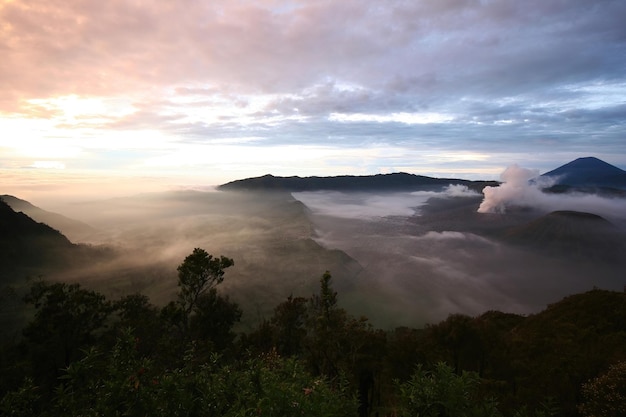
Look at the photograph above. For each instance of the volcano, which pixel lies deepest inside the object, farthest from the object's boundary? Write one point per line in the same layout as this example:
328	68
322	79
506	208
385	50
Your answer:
588	172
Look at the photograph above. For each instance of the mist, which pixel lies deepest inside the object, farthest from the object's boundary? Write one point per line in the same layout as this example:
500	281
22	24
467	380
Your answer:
267	235
359	205
431	254
401	258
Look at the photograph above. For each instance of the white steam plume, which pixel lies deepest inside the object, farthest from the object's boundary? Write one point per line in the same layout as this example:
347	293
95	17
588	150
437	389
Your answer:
518	190
514	190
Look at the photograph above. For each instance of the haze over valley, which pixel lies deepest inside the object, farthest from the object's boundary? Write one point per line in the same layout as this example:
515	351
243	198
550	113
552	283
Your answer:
408	257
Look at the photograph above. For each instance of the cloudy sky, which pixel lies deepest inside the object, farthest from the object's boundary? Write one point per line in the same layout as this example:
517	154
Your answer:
203	92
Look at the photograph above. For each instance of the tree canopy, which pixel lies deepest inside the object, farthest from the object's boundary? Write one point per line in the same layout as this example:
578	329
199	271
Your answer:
82	354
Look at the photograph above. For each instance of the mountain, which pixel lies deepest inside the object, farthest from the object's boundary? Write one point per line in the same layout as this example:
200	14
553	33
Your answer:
571	233
588	172
400	181
25	243
74	229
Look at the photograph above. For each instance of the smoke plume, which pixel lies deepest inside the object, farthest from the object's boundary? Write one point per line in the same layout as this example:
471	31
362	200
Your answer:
522	187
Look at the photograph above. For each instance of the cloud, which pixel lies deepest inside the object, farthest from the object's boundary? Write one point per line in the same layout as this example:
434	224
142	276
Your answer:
425	77
48	165
252	46
517	190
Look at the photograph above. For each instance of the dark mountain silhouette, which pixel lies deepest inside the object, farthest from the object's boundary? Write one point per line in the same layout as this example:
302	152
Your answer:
572	233
588	172
74	229
381	182
25	243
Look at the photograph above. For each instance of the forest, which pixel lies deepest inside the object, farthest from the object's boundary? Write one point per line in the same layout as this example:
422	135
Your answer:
82	354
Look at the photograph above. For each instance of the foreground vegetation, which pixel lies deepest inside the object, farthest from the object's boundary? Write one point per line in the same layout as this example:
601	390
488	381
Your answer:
85	355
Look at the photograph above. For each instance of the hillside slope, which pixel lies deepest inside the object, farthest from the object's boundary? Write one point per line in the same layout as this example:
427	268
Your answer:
575	234
27	243
74	229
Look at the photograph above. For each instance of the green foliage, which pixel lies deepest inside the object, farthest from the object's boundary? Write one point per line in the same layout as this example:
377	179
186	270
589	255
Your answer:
199	313
289	320
66	314
21	402
123	383
136	312
213	319
326	324
605	395
557	350
198	273
441	392
67	320
83	355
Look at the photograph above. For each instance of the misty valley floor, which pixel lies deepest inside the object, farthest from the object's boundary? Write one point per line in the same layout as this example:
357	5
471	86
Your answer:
397	258
446	258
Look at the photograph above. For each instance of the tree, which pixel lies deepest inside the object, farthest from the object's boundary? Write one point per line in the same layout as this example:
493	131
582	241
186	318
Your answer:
326	325
199	313
68	319
213	319
606	395
198	273
135	311
461	343
441	392
289	320
326	302
122	382
339	345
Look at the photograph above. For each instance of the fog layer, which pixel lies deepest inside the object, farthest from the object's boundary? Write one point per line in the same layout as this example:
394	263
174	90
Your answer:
398	258
444	257
268	236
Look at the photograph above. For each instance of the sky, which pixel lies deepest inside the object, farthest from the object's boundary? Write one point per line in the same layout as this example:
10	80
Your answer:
124	94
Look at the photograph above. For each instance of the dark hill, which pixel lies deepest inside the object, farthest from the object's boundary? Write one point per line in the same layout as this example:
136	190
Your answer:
571	342
572	233
382	182
27	243
74	229
588	172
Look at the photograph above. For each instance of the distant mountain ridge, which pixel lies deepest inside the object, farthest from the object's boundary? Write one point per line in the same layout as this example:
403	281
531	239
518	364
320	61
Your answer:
588	172
74	229
400	181
27	243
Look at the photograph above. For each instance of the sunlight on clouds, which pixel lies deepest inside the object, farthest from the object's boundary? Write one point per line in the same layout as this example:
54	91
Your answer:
598	95
144	139
234	155
44	148
71	106
72	109
14	128
212	105
48	165
227	162
39	138
406	118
